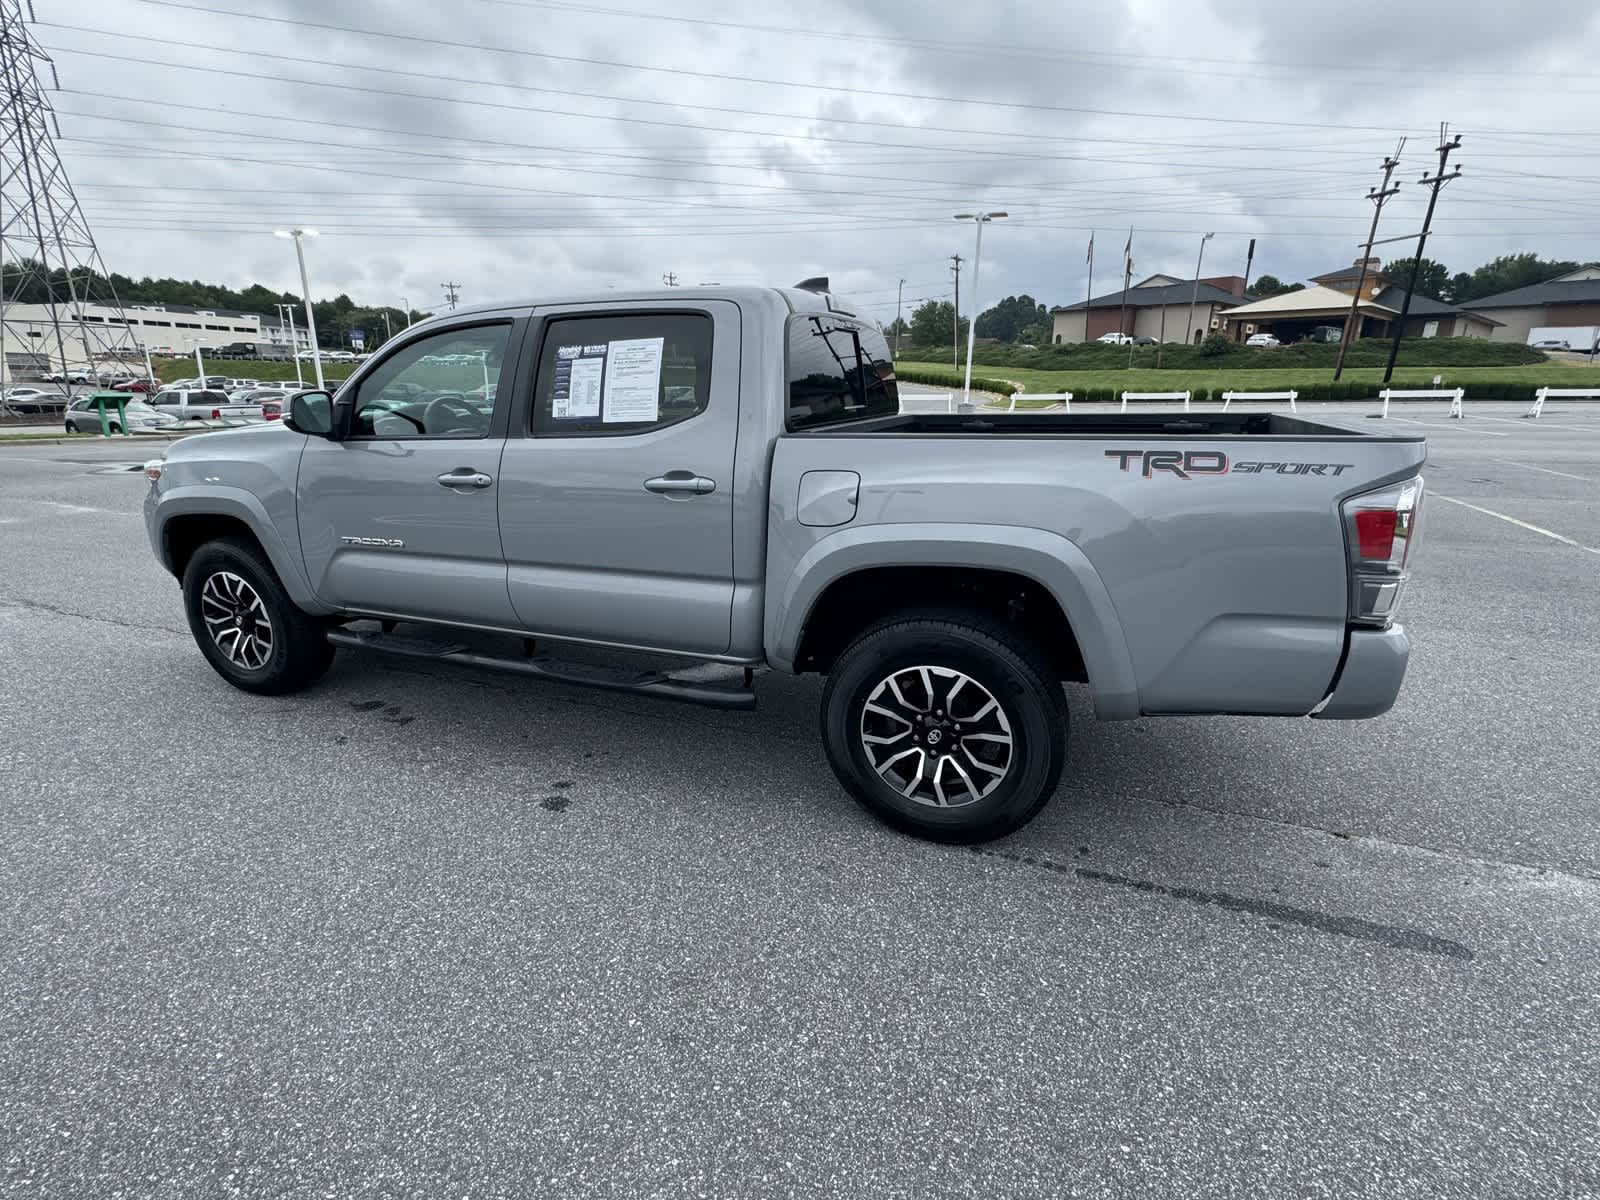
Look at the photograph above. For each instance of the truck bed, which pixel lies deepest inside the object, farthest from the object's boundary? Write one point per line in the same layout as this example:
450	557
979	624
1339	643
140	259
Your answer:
1140	424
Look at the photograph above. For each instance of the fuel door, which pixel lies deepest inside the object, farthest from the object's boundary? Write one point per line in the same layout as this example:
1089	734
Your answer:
828	497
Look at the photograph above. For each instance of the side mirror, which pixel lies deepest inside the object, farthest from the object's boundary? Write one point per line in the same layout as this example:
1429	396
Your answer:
311	413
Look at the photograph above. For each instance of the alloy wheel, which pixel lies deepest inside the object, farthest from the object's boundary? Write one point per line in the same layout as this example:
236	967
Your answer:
937	736
237	620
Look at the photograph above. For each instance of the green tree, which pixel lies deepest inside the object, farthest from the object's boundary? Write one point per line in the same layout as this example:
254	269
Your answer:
1433	280
1511	271
931	323
1268	286
1007	319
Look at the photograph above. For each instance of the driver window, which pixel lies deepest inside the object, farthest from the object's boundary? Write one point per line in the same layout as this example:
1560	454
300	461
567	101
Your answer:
439	386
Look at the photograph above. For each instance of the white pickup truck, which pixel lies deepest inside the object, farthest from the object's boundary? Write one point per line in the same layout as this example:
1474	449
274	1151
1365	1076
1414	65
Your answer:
189	404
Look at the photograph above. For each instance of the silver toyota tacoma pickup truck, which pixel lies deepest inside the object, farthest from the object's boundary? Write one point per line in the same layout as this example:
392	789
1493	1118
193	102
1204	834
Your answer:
724	476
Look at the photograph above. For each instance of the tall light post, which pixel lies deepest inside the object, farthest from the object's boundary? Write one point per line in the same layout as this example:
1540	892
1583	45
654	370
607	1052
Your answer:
407	303
286	312
1195	294
305	290
980	219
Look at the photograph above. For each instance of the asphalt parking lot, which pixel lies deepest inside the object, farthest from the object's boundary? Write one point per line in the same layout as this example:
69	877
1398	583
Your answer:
425	933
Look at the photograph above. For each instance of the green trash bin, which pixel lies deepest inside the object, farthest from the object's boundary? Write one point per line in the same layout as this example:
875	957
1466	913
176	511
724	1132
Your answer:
117	400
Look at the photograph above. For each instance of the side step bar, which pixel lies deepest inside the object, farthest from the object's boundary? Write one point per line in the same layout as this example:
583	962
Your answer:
613	679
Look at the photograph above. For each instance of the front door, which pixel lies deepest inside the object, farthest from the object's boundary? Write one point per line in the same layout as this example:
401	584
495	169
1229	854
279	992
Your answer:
617	505
399	518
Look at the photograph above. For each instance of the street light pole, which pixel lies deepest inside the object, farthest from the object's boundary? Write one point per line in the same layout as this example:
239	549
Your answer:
407	303
286	312
980	219
1195	294
305	289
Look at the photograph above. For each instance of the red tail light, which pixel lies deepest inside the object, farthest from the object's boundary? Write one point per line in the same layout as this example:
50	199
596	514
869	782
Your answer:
1375	533
216	414
1379	530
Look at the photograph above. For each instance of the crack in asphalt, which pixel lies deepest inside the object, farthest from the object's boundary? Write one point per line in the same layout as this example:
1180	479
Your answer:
117	622
1396	936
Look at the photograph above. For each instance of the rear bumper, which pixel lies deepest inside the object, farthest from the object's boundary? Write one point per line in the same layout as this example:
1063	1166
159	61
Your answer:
1369	681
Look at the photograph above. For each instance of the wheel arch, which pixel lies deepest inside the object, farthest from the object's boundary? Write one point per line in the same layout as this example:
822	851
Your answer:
847	580
189	518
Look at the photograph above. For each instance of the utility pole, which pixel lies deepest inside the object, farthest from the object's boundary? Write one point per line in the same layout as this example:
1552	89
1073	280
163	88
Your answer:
670	279
955	321
899	291
1249	259
1434	183
452	293
1379	197
43	229
1127	278
1088	290
1194	295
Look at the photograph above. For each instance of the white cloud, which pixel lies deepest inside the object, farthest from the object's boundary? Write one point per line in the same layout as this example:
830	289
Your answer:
496	173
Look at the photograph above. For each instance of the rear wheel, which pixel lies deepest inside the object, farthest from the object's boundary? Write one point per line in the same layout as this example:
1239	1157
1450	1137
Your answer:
246	625
947	724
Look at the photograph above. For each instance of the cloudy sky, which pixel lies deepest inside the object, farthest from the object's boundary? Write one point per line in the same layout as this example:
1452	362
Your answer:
538	147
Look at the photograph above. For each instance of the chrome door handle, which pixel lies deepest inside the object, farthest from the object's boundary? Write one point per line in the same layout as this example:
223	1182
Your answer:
680	483
461	479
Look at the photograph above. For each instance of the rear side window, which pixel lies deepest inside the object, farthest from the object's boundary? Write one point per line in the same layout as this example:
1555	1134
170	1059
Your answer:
839	370
622	374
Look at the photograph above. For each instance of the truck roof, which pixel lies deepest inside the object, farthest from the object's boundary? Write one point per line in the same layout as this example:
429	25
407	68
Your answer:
797	299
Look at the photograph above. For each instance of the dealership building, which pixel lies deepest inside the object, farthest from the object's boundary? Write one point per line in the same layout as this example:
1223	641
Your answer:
36	334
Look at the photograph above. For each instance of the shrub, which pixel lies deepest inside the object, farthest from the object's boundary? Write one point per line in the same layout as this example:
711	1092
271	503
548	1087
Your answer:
948	377
1215	346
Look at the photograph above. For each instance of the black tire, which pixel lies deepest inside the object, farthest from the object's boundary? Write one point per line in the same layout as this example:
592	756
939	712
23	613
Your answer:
297	653
72	427
953	643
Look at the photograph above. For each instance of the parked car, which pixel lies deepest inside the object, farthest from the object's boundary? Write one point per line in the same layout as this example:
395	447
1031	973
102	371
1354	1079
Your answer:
1262	340
70	376
1552	344
1226	563
1143	340
83	416
1115	339
35	400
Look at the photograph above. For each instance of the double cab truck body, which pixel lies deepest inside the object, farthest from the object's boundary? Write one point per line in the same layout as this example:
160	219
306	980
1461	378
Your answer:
725	477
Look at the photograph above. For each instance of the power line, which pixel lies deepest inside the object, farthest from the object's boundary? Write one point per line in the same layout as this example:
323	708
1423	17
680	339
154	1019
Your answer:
1009	51
810	86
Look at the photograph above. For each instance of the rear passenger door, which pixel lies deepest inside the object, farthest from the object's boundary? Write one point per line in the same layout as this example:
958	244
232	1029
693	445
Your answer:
616	498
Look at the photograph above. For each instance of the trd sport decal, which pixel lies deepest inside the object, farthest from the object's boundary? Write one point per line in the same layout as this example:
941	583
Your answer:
1186	464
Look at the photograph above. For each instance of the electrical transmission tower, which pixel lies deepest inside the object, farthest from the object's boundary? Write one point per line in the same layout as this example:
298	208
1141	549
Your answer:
452	292
51	273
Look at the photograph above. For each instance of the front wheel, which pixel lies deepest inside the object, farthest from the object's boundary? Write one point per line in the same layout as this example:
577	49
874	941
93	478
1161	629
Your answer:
947	725
246	625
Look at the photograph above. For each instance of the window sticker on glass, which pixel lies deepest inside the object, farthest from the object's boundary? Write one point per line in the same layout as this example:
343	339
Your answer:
580	371
633	380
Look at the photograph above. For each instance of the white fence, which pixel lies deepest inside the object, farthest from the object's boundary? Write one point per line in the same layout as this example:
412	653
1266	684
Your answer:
1291	396
1545	393
1065	398
1454	395
1126	396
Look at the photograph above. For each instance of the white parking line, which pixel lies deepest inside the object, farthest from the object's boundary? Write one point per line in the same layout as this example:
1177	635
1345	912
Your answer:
1489	512
1448	428
83	508
1541	424
1544	470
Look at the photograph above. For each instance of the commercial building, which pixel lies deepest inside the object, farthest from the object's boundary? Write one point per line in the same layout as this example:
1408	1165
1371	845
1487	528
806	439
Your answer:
1322	309
1570	301
33	343
1157	307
